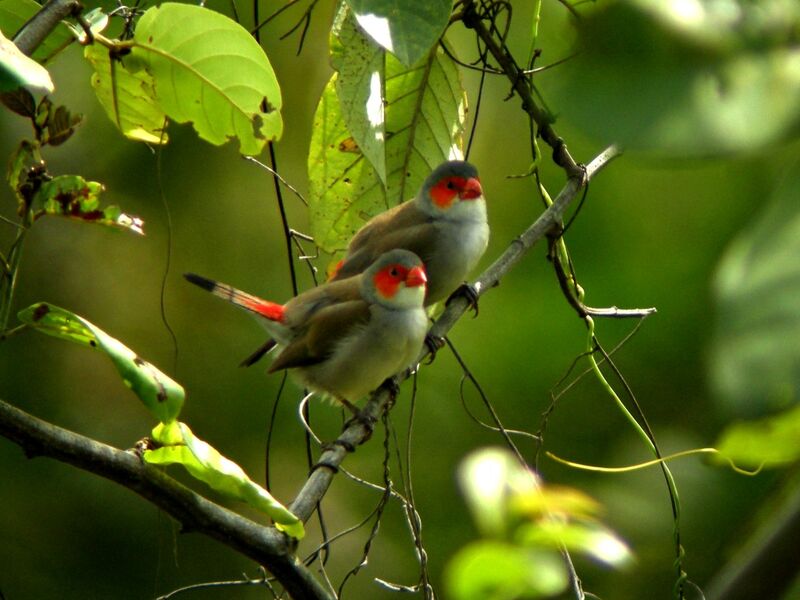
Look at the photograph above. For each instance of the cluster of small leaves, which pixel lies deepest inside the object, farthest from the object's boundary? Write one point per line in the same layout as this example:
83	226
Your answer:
524	524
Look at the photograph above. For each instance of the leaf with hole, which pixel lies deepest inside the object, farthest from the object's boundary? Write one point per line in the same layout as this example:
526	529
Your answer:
208	70
181	446
128	98
161	395
74	197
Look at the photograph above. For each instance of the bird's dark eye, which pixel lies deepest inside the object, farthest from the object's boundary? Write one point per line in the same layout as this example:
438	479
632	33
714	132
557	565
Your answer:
450	185
393	272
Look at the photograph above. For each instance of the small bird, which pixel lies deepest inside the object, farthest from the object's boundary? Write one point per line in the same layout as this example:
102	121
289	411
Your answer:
445	225
344	338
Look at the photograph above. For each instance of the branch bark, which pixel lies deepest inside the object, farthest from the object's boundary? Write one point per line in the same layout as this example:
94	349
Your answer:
40	25
265	545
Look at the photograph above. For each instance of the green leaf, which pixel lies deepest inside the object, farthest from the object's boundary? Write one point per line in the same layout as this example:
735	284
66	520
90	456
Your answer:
128	98
497	571
222	475
755	354
406	28
74	197
770	442
161	395
208	70
591	539
359	63
489	479
15	13
17	70
425	113
701	78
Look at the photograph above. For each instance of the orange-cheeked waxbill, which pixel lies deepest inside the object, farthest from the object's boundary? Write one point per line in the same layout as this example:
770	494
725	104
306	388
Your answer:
444	224
344	338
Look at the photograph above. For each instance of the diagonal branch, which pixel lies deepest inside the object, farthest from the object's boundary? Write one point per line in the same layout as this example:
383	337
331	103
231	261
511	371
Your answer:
380	401
263	544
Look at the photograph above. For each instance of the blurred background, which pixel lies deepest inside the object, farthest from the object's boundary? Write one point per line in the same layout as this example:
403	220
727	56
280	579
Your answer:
652	232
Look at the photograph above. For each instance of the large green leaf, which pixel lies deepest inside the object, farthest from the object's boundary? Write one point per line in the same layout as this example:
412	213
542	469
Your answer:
688	78
17	70
74	197
360	88
15	13
406	28
755	360
160	394
128	98
425	109
208	70
203	461
770	442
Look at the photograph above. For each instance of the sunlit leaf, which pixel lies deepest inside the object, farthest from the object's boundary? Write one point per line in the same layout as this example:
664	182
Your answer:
770	442
208	70
425	113
160	394
755	355
706	71
15	13
494	570
128	98
18	70
219	473
490	479
359	62
587	538
74	197
406	28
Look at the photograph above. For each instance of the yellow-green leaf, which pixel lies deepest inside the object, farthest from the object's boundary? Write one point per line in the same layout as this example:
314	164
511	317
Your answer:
208	70
160	394
128	98
205	463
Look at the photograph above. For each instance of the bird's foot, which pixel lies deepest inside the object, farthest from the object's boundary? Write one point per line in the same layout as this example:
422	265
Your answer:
469	293
433	343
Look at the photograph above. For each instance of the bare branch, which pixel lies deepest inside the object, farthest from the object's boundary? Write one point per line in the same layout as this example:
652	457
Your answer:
265	545
43	23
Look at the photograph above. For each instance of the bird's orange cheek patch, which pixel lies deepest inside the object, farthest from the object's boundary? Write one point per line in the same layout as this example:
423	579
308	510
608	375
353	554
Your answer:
386	284
442	196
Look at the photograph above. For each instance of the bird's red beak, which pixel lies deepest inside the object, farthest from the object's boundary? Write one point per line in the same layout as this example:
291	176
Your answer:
472	189
416	277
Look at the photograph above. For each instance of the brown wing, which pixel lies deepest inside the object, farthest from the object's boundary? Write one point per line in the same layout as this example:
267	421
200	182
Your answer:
324	330
400	227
